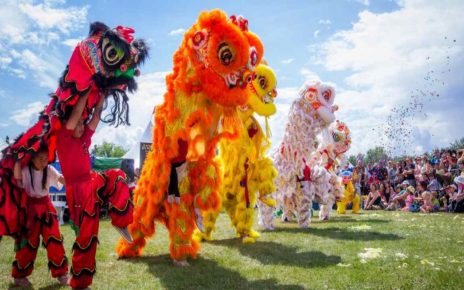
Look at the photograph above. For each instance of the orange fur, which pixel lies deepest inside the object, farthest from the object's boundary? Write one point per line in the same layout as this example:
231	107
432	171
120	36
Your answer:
196	100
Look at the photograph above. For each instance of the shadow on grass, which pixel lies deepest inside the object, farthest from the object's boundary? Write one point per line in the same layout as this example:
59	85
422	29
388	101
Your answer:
349	219
277	254
202	274
339	219
54	286
343	234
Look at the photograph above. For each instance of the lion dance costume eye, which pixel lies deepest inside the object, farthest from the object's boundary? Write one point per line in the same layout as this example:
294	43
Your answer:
248	174
180	177
104	64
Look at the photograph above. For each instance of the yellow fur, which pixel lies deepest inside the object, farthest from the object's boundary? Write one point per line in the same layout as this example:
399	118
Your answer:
247	149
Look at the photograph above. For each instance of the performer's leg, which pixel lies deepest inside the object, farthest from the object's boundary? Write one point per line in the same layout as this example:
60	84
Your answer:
356	204
245	219
341	206
325	211
26	252
229	203
85	245
181	225
116	193
209	222
265	216
53	243
305	202
288	208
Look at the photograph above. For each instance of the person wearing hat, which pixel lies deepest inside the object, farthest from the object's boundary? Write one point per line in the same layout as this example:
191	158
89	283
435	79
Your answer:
457	200
409	200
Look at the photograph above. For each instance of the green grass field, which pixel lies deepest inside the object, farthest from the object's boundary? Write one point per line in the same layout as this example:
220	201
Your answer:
375	250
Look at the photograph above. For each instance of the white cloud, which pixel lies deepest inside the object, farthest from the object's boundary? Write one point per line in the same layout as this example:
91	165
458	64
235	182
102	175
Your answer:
363	2
72	42
388	57
47	17
3	125
46	68
31	31
25	117
309	75
287	61
325	22
316	33
175	32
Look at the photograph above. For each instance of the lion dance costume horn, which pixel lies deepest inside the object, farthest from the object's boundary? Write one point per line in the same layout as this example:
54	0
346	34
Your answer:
209	80
105	64
246	168
309	114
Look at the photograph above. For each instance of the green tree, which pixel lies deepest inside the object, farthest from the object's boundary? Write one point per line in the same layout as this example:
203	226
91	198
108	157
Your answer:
353	160
376	154
457	144
109	150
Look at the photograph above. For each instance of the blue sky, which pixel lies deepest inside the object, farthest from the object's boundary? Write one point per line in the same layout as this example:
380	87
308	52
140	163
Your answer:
375	53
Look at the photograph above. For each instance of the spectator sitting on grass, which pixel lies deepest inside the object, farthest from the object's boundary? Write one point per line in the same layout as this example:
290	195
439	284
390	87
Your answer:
425	198
410	198
457	200
388	192
399	199
433	184
447	193
376	198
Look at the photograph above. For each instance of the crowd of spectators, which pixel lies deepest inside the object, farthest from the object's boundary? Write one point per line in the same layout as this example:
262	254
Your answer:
422	183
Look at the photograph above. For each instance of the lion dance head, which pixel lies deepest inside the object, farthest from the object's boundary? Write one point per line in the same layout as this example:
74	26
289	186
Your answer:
321	97
341	138
263	92
223	55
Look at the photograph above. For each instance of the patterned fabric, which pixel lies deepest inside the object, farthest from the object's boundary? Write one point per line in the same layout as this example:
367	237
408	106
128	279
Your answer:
42	221
108	188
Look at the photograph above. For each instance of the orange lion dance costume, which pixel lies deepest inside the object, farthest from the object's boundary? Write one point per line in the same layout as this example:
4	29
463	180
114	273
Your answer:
211	70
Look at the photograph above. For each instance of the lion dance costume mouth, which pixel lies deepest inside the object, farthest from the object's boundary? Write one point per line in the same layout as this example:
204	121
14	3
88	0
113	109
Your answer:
308	116
246	169
105	64
210	75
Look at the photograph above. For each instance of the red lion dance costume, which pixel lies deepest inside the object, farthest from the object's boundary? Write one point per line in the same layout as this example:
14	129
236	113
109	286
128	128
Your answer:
104	64
208	83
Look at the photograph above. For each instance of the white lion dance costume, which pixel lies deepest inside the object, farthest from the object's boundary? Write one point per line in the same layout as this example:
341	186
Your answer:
325	183
309	114
246	169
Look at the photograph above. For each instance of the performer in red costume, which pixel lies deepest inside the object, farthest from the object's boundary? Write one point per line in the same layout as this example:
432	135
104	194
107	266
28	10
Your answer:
36	179
104	65
87	191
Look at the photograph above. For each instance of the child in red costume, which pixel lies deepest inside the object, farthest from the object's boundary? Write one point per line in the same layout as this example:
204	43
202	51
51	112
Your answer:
87	191
36	179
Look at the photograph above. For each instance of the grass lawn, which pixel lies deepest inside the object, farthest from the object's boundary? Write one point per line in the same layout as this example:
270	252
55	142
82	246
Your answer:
373	250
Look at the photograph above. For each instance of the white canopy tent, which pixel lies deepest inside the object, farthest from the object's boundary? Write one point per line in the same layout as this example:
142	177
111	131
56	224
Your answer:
146	138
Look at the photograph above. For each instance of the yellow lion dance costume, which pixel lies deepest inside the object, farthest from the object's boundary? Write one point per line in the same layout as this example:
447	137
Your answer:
247	170
349	195
211	71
